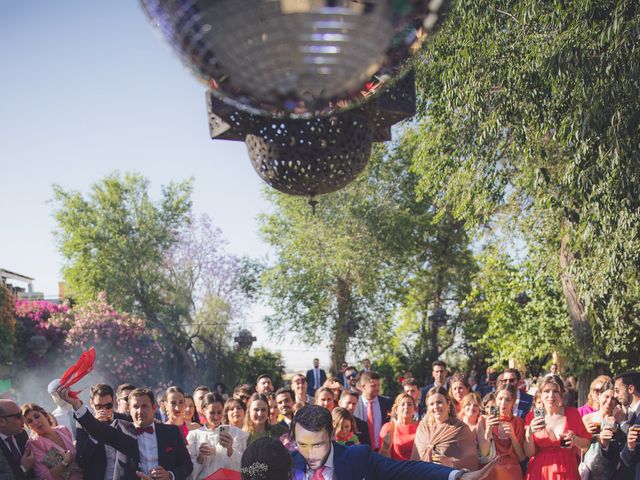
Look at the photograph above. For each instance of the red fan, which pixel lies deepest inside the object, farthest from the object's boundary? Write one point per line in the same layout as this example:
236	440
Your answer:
78	370
224	474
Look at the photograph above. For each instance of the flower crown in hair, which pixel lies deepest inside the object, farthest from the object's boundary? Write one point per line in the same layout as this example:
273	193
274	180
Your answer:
255	471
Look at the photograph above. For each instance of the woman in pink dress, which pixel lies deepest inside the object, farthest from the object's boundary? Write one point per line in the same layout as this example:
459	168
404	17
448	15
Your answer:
553	440
52	447
595	389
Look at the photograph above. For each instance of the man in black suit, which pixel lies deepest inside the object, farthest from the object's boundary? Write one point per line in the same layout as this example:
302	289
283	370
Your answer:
373	408
96	459
349	401
146	449
284	400
439	374
13	438
315	378
627	392
524	401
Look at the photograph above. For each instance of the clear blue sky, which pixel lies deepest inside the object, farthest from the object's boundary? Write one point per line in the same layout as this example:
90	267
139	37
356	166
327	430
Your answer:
88	88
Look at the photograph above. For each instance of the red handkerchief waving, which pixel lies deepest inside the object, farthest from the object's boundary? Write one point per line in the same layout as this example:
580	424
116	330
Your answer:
75	372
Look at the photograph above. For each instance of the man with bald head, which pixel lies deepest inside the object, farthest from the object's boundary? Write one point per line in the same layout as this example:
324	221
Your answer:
13	438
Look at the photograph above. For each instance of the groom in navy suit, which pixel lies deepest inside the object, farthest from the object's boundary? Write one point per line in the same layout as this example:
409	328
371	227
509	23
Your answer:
318	458
146	450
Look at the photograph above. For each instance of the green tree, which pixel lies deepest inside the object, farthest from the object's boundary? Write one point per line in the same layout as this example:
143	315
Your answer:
529	116
251	364
368	250
116	239
7	324
328	279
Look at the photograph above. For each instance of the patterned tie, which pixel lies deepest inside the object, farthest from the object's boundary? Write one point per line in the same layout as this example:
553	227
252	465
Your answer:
14	450
317	475
370	422
141	430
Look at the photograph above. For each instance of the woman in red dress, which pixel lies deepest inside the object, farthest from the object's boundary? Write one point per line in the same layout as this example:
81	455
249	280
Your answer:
554	440
506	431
396	436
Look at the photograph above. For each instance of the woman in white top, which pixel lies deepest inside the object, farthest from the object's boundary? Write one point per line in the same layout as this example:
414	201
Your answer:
214	445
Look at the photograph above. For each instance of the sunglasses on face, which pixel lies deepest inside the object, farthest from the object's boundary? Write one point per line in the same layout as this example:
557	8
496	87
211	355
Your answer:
352	375
103	406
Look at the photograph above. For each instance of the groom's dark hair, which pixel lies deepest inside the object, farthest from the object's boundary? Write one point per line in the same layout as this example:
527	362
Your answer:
314	419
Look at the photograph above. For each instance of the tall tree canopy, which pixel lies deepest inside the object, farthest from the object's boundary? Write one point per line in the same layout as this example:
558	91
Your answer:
341	273
530	114
152	258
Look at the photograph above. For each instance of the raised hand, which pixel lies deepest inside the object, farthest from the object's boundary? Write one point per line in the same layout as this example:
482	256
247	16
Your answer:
64	394
483	472
226	440
27	459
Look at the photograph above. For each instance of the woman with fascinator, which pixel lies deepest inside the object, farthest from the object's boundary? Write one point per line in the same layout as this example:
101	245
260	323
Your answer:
266	459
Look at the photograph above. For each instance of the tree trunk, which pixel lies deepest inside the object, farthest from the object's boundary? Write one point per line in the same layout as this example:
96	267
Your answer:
189	373
340	331
579	321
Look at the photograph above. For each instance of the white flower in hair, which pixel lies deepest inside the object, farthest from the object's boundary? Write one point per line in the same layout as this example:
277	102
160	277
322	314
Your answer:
255	471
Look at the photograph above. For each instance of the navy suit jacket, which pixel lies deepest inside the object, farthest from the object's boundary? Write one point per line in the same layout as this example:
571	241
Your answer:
524	405
311	381
362	431
359	462
91	456
630	461
21	440
121	435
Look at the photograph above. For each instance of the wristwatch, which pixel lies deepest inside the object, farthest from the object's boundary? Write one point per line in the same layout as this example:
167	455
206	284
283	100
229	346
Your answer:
460	473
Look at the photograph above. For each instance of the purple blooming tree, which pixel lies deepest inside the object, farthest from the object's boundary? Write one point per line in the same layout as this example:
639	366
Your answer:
207	293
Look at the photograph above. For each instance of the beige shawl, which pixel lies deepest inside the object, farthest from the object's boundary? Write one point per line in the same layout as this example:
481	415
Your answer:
450	443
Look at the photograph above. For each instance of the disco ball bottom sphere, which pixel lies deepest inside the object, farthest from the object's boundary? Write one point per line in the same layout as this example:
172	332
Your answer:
311	157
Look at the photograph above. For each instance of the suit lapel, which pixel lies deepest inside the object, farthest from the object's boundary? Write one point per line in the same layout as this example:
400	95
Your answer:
161	438
22	438
340	463
299	466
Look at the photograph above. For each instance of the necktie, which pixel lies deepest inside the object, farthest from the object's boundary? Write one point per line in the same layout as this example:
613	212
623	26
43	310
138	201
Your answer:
141	430
372	432
14	450
317	475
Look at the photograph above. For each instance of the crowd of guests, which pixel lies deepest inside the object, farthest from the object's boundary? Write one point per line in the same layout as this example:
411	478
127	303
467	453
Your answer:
520	431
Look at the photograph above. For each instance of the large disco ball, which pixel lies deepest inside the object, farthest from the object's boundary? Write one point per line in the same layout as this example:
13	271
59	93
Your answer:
296	58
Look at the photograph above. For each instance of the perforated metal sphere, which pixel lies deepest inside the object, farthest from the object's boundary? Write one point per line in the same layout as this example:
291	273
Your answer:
314	156
298	58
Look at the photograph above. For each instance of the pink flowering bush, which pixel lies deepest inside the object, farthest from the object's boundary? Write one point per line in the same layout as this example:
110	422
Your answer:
43	319
126	349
